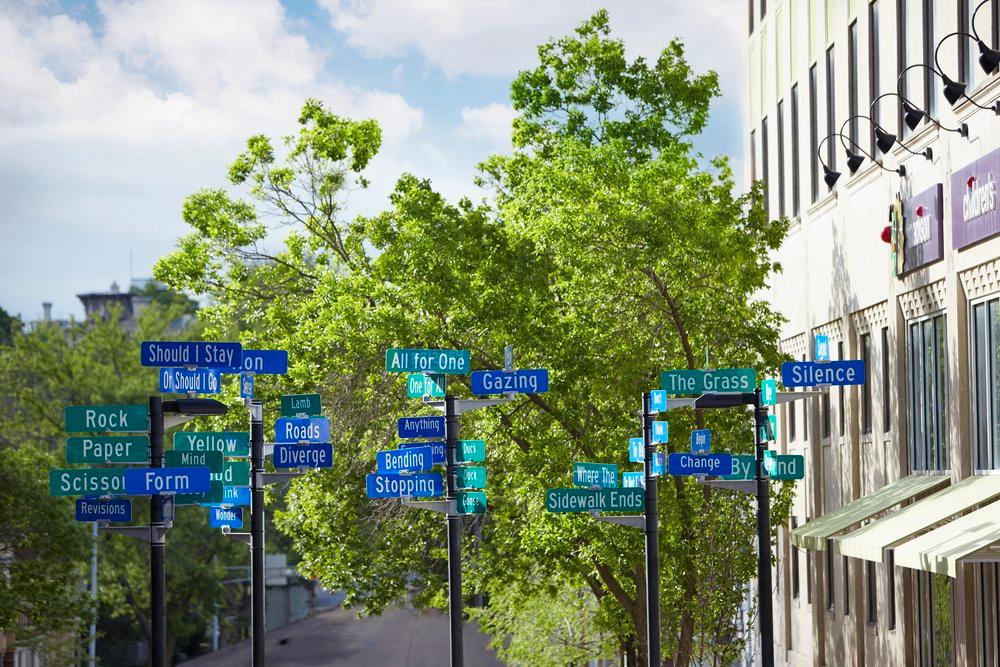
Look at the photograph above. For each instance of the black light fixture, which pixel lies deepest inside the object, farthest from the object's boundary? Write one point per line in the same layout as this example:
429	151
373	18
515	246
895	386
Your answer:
989	59
854	160
913	114
884	140
955	90
829	175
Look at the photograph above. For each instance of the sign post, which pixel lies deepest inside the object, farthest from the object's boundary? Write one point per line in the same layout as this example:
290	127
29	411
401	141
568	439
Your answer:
256	409
652	538
157	543
764	602
454	535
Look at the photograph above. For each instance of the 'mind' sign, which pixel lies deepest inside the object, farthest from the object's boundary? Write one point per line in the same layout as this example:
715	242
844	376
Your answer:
812	374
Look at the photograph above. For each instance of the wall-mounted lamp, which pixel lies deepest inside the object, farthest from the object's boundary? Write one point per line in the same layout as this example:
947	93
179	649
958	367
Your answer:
854	160
989	59
913	114
829	175
885	139
955	90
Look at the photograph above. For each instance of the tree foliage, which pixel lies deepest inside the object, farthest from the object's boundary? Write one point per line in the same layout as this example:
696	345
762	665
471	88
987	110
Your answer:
607	252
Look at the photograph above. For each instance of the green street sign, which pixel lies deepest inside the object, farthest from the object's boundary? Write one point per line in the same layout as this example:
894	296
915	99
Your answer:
294	405
234	473
400	360
106	418
470	451
785	466
744	468
470	477
595	474
721	380
471	502
108	449
769	391
603	500
213	496
230	443
419	385
84	481
182	459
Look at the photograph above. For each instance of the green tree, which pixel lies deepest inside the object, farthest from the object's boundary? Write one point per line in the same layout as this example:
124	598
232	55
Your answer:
608	252
9	325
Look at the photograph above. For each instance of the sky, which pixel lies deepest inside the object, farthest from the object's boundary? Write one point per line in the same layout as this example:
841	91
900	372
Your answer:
112	111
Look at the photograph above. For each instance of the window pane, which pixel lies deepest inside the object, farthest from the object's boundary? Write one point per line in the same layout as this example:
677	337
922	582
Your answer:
981	390
866	388
994	362
941	392
930	394
886	411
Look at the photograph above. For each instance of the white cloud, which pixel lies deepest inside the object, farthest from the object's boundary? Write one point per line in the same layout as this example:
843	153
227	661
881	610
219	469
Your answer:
491	122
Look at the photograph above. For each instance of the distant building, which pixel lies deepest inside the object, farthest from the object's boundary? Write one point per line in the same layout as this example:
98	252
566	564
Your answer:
100	304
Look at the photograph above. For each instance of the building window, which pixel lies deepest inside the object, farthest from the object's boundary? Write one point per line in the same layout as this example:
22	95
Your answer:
891	589
841	394
809	585
930	79
852	81
805	414
934	619
813	135
824	410
866	388
753	155
764	166
763	8
831	109
795	564
986	396
750	5
795	149
928	394
873	67
831	602
904	130
966	62
989	637
790	409
847	586
871	602
781	158
886	411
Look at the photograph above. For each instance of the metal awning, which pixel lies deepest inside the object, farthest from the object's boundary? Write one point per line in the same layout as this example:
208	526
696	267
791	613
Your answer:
966	539
813	535
870	541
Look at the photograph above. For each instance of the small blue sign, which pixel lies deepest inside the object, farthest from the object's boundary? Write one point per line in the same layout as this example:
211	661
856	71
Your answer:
417	485
661	432
635	450
701	441
525	381
156	481
261	362
634	480
812	374
822	347
658	401
768	392
118	509
246	385
302	429
437	447
683	463
221	517
183	380
190	353
658	464
314	455
234	496
421	427
409	459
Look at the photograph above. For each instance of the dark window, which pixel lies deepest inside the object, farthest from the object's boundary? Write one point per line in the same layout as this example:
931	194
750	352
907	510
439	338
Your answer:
763	8
886	411
795	149
966	67
831	602
930	78
866	388
852	81
934	619
750	6
831	109
873	66
795	563
901	62
841	391
805	413
813	134
753	155
872	601
985	393
891	589
781	158
847	586
764	166
809	585
928	394
790	408
824	409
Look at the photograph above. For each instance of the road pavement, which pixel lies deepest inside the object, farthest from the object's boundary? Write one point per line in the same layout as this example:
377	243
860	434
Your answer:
337	638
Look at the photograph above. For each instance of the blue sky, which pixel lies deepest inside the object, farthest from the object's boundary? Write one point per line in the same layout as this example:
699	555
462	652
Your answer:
112	111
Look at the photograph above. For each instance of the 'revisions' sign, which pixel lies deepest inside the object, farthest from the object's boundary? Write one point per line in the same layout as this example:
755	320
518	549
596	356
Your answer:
974	213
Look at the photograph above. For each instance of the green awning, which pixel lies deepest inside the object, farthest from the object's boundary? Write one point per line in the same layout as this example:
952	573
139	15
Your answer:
943	548
870	541
813	535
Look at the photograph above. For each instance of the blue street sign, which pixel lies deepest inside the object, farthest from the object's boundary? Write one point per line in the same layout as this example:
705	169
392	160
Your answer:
219	517
183	380
437	447
661	432
658	464
811	374
658	401
118	509
314	455
822	347
246	385
190	353
421	427
232	496
682	463
634	480
302	429
154	481
635	450
418	485
701	441
260	362
525	381
410	459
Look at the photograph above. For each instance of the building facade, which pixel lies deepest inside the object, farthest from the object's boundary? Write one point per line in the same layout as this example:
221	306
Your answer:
892	554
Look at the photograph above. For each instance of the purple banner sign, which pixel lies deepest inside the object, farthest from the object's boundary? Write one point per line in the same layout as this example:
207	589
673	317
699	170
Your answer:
923	229
974	214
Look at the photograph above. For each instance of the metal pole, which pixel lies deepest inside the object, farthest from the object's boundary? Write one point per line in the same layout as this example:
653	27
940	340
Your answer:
765	614
257	531
652	541
157	544
454	537
92	649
